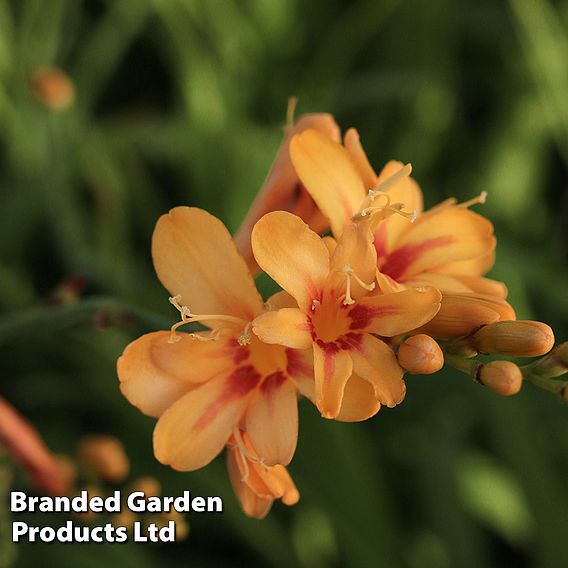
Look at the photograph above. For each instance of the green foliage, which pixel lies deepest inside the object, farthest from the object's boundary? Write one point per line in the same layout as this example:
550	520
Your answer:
182	102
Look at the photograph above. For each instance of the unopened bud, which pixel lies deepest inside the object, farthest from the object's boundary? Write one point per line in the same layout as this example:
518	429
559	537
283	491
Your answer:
150	486
104	457
420	355
53	88
518	338
555	364
503	377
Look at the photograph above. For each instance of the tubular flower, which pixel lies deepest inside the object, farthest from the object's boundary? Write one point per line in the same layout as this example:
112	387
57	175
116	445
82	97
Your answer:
448	247
340	313
256	485
206	386
282	189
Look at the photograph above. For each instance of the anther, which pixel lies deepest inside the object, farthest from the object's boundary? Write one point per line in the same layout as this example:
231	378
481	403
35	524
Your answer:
481	198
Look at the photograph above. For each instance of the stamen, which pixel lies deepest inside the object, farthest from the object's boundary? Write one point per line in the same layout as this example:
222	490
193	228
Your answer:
315	304
370	209
481	198
245	453
244	338
188	317
350	273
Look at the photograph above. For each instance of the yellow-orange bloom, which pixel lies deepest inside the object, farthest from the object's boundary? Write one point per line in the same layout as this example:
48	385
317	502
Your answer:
256	485
339	313
208	386
448	247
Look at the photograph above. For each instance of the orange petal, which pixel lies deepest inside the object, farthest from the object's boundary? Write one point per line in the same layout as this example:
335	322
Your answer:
359	401
280	300
406	191
485	286
393	314
195	257
300	369
355	250
327	172
443	282
252	505
154	373
451	235
194	429
288	327
473	267
332	369
280	191
272	420
353	145
292	255
376	362
461	314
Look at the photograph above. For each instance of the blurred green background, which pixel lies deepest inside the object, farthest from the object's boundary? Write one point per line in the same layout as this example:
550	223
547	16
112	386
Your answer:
182	102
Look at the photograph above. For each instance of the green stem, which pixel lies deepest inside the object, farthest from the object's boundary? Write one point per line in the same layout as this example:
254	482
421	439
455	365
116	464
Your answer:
466	366
23	323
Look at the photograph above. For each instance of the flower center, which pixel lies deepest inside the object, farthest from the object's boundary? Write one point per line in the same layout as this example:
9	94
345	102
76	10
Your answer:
187	316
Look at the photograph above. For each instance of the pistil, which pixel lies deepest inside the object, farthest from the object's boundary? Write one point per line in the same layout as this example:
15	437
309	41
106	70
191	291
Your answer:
350	273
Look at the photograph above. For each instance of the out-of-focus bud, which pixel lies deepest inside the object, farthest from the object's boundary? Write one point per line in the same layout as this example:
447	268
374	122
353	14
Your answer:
282	189
463	313
68	291
503	377
181	524
519	338
104	457
150	486
256	485
420	355
68	470
53	88
125	518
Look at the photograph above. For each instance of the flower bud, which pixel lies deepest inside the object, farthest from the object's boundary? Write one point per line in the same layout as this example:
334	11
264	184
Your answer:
503	377
150	486
104	457
420	355
518	338
53	88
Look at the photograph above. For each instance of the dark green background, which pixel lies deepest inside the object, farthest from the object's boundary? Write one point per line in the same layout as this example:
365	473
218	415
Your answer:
182	102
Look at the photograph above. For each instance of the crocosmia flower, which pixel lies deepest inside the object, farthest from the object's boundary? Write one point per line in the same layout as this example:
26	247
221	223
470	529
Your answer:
449	247
341	315
208	386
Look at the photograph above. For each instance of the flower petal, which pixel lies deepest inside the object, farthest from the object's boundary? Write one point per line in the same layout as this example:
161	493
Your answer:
332	369
474	267
194	429
485	286
154	373
326	170
435	240
353	145
288	327
281	189
272	420
195	257
406	191
355	250
392	314
443	282
461	314
300	369
280	300
252	505
292	255
376	362
359	401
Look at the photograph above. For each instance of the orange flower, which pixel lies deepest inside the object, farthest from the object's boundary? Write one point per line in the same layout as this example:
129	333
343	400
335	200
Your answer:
256	485
208	386
339	313
448	247
282	189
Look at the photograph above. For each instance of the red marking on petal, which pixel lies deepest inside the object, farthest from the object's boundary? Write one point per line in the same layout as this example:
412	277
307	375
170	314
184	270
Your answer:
380	240
273	381
350	342
237	352
361	315
297	365
238	384
398	261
